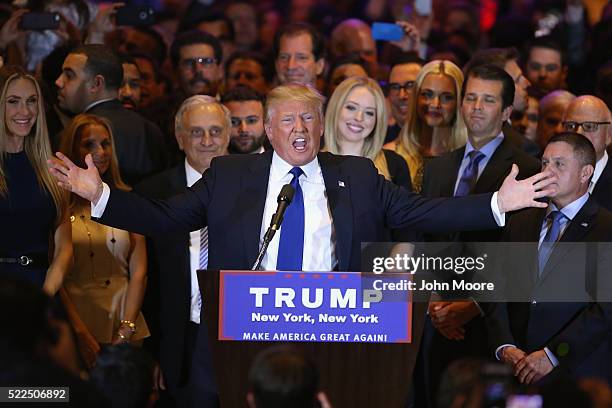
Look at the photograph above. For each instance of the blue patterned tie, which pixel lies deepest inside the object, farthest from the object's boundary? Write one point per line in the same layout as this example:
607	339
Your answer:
470	174
203	263
291	243
552	235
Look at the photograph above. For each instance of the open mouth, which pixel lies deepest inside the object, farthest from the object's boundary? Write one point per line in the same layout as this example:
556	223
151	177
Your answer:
23	123
299	144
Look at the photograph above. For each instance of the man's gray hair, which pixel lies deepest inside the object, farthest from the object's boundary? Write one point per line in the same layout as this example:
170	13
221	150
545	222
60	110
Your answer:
200	100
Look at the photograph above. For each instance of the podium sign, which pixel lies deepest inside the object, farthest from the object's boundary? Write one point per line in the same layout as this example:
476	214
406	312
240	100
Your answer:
313	307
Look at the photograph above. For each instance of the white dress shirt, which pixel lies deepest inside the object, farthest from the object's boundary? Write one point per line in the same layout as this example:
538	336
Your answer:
569	211
319	236
194	254
319	242
487	150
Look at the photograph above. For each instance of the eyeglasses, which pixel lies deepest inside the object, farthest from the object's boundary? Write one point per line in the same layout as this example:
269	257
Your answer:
192	63
586	126
395	88
534	66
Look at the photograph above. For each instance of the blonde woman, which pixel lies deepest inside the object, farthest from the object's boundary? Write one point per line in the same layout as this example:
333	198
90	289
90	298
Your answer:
434	124
108	280
33	209
356	124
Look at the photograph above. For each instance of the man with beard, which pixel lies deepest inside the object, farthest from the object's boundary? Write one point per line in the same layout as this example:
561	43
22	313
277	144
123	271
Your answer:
89	83
196	57
129	92
197	60
247	110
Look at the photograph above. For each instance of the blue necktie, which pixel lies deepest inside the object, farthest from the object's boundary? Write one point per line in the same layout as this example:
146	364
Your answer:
203	261
291	244
552	235
470	174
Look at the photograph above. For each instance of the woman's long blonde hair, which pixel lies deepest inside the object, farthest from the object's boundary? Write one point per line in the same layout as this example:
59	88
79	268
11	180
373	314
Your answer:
71	140
409	137
36	145
372	145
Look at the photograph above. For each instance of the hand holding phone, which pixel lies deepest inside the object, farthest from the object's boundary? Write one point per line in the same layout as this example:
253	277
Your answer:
387	32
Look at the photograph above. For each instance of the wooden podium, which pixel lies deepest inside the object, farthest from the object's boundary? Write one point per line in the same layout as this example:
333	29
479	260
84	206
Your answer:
356	375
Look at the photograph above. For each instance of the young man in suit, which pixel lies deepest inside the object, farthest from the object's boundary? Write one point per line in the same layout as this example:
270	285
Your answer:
91	77
508	60
590	116
570	334
458	330
202	132
348	202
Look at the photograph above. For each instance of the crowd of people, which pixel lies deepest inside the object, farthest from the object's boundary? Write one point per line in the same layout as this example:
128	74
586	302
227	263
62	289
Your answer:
133	156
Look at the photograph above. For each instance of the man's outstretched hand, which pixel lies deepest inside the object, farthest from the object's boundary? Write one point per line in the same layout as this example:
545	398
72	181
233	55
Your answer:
83	182
514	195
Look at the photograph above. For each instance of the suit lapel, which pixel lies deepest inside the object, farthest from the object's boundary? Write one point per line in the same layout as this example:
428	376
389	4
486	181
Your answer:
253	194
496	169
449	176
338	190
532	231
605	180
577	229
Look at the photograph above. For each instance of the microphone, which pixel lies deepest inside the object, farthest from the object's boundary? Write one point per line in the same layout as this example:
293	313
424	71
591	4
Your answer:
284	199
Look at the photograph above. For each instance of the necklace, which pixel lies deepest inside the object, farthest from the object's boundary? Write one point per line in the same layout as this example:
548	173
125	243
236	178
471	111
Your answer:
84	220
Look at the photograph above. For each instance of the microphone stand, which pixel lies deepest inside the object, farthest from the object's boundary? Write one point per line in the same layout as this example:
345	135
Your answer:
284	199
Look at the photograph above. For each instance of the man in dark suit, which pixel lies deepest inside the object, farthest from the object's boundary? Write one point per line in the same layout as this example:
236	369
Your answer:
590	116
89	83
458	330
173	294
568	332
508	60
347	201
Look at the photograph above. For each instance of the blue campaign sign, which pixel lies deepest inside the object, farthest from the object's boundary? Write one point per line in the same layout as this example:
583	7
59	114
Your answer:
309	306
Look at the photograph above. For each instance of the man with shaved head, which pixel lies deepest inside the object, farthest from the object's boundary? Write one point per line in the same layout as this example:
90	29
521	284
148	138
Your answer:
353	36
590	116
552	109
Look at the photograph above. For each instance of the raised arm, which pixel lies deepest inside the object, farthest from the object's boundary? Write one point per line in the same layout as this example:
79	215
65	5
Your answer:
131	212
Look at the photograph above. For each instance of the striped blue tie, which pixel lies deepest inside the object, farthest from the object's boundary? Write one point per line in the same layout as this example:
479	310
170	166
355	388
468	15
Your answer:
551	237
470	174
203	264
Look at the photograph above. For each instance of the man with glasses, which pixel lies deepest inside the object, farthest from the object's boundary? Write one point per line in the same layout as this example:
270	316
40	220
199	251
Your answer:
546	68
399	91
589	116
196	57
247	114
